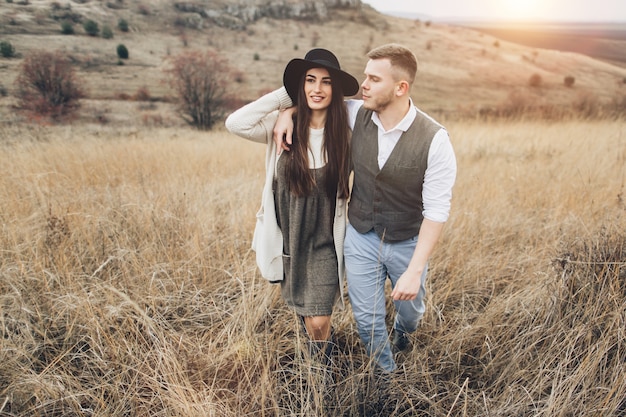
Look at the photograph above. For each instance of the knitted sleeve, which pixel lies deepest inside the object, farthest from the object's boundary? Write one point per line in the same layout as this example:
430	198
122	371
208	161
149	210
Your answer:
255	121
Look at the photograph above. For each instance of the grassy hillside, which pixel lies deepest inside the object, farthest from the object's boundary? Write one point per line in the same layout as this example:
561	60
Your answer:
461	70
128	287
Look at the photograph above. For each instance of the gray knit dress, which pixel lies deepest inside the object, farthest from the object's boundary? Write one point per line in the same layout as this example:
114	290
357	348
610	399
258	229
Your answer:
311	282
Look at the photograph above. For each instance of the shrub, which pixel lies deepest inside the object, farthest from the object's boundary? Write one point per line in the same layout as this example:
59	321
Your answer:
535	80
122	51
239	76
142	94
618	105
3	91
569	80
47	85
587	105
40	17
67	28
6	49
122	25
91	27
256	56
118	4
107	33
143	9
200	80
515	105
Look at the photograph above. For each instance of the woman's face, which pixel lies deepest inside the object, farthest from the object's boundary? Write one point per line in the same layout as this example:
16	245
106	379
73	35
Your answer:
318	88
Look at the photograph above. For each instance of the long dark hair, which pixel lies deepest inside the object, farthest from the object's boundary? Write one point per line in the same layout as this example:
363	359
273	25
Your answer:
335	148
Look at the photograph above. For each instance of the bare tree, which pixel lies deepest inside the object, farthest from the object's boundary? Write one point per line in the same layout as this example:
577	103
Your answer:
47	85
200	81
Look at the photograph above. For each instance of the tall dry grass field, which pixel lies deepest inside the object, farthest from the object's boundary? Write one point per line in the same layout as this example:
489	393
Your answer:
127	286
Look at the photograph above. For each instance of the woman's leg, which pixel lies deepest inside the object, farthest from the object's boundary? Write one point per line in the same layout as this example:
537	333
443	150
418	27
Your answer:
318	327
320	338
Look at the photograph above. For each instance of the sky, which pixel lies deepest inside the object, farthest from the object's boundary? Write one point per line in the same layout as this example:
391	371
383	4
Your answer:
535	10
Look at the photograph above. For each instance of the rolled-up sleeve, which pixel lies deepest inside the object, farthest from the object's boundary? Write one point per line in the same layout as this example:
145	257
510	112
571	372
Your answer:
439	178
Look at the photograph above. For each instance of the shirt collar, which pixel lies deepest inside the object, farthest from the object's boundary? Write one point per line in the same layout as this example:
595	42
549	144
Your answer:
404	124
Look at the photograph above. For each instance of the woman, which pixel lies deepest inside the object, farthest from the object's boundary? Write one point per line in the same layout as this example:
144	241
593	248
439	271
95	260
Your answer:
301	224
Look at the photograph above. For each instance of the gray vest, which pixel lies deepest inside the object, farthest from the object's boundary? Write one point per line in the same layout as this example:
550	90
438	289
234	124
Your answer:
389	200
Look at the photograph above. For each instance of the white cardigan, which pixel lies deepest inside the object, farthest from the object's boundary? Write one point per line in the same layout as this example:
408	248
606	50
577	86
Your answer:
255	121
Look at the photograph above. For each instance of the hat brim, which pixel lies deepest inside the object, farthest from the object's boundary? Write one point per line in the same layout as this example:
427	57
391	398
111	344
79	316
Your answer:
297	67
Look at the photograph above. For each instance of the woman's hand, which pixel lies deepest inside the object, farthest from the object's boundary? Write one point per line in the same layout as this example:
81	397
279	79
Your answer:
283	130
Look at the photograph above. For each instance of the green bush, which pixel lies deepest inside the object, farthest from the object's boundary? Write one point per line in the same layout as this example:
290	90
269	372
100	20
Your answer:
122	25
122	51
107	33
6	49
91	27
67	28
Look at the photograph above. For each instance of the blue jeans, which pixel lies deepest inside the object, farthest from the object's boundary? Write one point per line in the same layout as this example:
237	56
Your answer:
369	262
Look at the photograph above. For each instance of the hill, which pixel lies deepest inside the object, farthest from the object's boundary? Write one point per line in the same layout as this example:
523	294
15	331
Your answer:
605	41
461	69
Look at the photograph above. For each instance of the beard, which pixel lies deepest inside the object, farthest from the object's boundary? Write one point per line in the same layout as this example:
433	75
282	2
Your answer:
379	103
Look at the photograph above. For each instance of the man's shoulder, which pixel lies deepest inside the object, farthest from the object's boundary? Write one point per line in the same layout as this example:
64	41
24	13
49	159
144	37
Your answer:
356	111
428	118
353	105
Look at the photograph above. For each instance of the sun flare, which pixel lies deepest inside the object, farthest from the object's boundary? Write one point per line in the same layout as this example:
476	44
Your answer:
521	9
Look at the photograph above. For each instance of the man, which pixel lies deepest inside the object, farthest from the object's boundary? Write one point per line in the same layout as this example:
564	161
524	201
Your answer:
404	170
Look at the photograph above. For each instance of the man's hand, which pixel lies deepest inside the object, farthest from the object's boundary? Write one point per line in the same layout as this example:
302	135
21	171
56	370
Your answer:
407	287
283	130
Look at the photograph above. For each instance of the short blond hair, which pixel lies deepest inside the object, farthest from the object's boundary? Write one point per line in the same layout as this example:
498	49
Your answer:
400	57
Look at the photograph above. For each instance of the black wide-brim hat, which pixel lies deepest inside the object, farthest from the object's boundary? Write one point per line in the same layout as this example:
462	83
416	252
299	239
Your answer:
318	58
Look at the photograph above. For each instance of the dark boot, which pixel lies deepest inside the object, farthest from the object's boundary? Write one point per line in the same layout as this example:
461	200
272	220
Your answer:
322	351
399	341
321	374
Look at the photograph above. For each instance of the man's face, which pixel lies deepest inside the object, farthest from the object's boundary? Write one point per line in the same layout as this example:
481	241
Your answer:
379	85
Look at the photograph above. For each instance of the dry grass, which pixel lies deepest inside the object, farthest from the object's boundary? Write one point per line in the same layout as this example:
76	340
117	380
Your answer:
128	286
